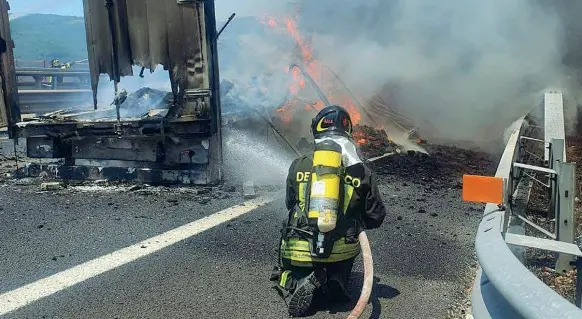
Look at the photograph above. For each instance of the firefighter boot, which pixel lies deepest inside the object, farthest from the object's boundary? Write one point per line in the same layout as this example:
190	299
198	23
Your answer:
303	296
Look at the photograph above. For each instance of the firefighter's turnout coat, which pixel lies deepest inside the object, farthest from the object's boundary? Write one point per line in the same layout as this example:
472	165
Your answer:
362	208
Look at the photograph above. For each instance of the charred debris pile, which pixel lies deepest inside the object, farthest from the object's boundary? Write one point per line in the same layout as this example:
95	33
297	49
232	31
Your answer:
445	165
373	142
144	103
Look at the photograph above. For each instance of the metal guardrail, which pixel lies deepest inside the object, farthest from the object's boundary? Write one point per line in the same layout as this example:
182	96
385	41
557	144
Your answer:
42	95
53	78
42	101
504	287
51	72
46	63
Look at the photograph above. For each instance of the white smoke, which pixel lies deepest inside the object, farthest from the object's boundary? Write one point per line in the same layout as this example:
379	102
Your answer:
158	80
462	69
261	81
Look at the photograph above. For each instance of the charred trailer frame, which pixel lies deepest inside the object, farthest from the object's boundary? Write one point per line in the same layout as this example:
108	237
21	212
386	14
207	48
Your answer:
183	147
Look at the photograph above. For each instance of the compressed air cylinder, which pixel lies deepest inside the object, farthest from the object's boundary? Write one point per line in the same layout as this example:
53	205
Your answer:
325	187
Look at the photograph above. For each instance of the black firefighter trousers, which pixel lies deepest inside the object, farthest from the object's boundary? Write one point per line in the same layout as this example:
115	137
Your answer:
338	277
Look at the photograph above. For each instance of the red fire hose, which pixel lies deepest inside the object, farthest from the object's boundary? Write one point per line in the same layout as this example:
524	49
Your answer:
368	278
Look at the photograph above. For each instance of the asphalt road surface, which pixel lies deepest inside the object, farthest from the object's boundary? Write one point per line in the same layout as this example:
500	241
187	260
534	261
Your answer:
423	254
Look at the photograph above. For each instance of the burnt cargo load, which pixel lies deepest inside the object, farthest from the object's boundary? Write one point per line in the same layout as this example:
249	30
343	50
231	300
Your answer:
179	143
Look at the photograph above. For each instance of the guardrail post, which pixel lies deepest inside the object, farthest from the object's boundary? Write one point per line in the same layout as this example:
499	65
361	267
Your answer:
516	172
565	223
578	282
507	193
556	155
54	83
37	82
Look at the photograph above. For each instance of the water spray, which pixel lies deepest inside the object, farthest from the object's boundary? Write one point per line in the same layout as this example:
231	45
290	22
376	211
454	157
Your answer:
278	132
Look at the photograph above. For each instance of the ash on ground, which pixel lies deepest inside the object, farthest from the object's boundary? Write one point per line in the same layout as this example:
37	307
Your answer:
12	158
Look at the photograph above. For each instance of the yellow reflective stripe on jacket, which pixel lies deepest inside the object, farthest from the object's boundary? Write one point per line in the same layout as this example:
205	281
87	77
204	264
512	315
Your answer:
302	187
284	277
349	192
298	250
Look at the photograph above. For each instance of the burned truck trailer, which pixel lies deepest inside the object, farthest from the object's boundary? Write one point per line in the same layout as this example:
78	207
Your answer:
182	146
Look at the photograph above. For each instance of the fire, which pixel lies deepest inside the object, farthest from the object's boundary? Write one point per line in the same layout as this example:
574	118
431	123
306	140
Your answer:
315	69
293	31
287	111
350	106
360	137
271	22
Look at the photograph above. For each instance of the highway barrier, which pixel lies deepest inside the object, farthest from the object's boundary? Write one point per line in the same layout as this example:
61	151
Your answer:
504	287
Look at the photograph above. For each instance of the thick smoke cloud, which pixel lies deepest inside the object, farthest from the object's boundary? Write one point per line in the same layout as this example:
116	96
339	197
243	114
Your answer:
462	69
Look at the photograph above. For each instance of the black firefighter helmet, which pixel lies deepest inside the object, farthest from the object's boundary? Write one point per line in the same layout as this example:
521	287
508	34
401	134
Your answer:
333	119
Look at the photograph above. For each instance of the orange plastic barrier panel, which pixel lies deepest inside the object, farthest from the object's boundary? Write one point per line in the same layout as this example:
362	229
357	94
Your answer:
483	189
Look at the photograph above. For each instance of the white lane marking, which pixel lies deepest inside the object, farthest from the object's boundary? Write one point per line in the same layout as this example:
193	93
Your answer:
30	293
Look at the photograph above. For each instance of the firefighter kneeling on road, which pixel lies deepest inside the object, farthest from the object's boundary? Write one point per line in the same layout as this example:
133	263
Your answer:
331	198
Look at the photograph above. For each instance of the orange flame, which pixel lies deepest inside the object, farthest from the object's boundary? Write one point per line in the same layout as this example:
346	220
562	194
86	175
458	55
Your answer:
314	68
271	22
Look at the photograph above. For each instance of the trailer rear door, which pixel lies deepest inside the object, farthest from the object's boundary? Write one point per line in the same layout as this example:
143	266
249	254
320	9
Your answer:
9	112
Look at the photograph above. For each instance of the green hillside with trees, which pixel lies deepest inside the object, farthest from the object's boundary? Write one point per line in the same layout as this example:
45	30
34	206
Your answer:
48	36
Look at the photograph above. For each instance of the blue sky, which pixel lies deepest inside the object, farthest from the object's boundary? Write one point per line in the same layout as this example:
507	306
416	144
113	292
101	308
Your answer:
75	7
62	7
